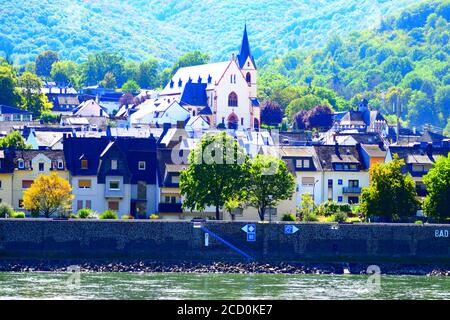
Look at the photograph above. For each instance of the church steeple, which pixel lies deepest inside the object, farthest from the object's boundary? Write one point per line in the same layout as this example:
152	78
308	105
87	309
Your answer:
245	52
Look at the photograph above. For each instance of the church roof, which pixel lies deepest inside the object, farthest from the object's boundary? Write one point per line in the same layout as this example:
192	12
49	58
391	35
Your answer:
245	52
207	73
194	94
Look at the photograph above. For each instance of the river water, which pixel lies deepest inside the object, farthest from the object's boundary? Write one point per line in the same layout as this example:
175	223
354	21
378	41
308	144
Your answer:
48	285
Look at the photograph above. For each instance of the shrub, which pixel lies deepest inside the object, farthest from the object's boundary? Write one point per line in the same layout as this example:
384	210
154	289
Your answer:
127	217
310	217
85	213
18	215
328	208
340	217
73	216
6	210
154	216
418	222
108	214
345	208
288	217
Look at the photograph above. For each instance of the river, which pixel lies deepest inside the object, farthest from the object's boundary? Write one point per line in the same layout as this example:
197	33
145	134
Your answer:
109	285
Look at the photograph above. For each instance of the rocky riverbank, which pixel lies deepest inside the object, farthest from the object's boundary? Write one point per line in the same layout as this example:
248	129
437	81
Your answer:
219	267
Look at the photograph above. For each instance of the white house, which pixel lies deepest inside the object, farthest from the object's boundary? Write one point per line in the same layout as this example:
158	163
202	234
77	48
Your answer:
90	108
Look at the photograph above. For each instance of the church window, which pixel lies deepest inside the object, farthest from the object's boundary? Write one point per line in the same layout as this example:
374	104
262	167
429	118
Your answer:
248	77
232	100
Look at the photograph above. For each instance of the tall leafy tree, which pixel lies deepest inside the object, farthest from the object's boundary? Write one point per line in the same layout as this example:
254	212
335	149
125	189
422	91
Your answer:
148	76
32	98
131	87
269	183
101	63
109	81
65	72
391	194
216	173
44	62
49	195
8	82
437	182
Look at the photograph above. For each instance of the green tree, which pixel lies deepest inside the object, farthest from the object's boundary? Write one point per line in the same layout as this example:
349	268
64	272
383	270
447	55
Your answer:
131	87
44	62
391	194
14	141
109	81
437	182
216	173
443	100
269	183
65	72
8	82
99	64
32	98
148	76
306	102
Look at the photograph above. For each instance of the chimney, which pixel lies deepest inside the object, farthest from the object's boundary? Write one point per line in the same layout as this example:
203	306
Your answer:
232	57
336	148
430	149
180	124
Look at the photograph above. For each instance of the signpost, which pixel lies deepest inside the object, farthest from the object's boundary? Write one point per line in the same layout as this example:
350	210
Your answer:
250	230
290	229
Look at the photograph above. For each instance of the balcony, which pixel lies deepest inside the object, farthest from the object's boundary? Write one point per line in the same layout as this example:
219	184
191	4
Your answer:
354	190
170	208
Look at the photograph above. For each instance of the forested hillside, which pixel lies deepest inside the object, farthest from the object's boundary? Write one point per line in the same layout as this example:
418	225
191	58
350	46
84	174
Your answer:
167	29
407	55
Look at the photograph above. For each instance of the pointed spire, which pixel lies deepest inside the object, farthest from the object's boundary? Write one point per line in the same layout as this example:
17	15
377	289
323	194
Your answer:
245	52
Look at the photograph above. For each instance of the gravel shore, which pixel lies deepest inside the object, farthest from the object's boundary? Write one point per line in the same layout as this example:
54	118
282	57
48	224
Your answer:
220	267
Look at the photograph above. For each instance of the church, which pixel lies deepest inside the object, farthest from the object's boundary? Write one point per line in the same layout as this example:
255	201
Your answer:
222	93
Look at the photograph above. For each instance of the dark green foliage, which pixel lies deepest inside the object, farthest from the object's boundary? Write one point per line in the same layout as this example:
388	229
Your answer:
288	217
409	51
167	30
437	181
391	194
6	210
44	62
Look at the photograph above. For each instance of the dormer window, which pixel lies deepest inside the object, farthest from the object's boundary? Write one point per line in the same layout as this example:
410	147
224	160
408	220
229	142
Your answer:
84	164
302	163
171	83
141	165
113	164
41	167
180	83
209	78
60	164
21	164
199	79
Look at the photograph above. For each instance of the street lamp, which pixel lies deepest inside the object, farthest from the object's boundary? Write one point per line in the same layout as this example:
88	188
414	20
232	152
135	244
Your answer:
270	211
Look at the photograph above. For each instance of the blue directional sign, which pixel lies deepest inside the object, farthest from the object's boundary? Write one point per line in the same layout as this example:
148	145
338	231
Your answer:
290	229
250	230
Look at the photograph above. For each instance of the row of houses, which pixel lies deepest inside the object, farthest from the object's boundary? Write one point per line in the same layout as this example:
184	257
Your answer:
140	175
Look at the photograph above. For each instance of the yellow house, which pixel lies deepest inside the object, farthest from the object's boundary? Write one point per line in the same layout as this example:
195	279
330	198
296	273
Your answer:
6	176
28	165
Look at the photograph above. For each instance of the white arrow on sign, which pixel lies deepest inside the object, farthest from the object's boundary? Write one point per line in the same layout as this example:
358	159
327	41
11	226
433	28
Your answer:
249	228
294	229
